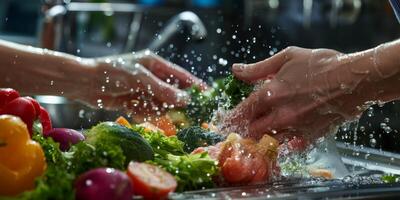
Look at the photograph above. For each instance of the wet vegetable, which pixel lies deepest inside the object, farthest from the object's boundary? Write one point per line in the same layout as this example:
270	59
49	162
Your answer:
225	93
193	171
7	95
196	136
150	181
236	91
21	159
161	144
27	108
202	104
66	137
390	178
166	125
103	183
45	120
133	145
23	108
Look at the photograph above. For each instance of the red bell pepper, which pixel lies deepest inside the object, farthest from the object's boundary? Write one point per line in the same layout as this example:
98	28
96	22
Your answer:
26	108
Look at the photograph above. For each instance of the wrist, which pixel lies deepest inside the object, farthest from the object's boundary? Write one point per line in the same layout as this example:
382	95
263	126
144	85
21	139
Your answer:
79	77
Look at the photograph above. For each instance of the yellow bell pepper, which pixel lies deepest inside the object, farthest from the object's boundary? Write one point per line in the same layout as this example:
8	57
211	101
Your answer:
21	159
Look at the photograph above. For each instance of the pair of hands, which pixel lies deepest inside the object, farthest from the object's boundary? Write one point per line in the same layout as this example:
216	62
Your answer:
301	92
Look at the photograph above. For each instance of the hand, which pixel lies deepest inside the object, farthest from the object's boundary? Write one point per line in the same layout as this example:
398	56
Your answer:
142	82
302	92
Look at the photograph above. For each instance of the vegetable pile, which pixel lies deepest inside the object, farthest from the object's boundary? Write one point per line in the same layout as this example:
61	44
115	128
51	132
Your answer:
112	160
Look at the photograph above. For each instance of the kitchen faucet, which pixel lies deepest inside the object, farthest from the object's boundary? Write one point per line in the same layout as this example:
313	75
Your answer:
185	21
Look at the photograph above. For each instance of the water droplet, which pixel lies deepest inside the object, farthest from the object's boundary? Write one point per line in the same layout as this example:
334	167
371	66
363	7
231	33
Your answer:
370	112
88	182
81	113
219	30
372	142
222	62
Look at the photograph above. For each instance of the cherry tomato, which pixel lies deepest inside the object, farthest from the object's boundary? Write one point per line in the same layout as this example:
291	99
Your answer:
22	108
7	95
150	181
45	120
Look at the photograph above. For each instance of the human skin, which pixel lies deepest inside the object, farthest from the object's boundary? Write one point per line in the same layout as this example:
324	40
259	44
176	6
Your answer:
113	82
309	92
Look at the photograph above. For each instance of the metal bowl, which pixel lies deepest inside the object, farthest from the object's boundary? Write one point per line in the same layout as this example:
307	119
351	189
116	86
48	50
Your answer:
72	114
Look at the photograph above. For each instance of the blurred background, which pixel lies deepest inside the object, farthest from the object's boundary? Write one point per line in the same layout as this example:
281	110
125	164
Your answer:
207	36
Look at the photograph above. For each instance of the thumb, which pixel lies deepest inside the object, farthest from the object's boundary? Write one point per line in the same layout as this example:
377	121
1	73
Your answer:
261	70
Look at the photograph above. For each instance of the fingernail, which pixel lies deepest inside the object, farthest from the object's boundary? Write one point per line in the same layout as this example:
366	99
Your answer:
238	67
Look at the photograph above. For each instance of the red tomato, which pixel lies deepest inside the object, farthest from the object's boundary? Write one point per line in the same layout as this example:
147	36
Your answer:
35	104
7	95
165	123
45	120
297	144
22	108
150	181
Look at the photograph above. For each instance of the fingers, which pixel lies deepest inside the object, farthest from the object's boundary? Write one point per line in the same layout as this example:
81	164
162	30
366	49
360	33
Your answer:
160	90
261	70
166	70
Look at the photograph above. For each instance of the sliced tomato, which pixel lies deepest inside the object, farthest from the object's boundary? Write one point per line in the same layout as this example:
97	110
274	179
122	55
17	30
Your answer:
150	181
7	95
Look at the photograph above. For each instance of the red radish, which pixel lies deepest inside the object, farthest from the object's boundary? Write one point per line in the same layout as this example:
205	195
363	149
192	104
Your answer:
66	137
103	184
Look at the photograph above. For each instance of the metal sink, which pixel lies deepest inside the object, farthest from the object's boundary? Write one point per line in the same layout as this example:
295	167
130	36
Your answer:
360	180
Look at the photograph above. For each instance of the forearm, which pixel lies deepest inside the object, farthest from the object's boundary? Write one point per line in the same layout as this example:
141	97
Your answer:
38	71
375	75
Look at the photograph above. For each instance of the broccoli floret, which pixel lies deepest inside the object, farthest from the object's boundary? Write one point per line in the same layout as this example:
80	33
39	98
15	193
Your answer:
196	136
161	143
235	91
226	93
202	105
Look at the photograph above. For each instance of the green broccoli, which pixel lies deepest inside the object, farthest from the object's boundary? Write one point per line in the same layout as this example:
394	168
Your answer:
160	143
235	91
191	171
202	105
226	93
196	136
